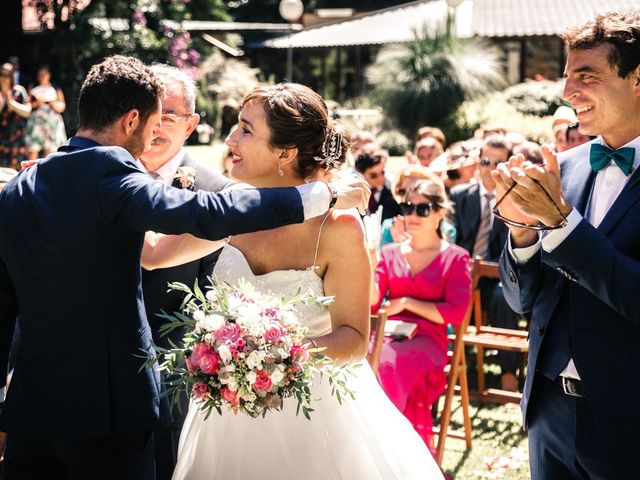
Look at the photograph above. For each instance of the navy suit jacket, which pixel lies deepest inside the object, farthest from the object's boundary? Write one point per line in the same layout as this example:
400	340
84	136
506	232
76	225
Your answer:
466	219
71	233
596	271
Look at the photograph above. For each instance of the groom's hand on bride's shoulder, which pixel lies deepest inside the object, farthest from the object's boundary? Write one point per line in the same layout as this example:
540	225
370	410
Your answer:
351	191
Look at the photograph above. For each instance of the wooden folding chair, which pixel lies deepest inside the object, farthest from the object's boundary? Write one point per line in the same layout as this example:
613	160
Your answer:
376	338
456	383
491	337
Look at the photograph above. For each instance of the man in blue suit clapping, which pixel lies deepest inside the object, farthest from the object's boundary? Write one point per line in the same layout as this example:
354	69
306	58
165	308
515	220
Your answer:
580	277
71	233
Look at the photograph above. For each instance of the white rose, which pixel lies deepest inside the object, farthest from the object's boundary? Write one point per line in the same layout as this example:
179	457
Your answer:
212	322
230	368
232	384
251	377
282	353
253	360
249	312
225	353
250	397
211	295
198	316
277	376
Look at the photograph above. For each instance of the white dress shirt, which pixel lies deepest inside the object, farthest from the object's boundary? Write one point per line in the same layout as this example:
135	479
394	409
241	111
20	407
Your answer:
607	185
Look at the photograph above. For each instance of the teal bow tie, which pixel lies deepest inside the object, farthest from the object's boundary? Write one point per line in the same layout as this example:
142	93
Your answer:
600	156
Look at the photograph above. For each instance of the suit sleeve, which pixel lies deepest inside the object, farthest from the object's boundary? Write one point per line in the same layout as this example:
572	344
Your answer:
611	276
520	283
130	198
8	315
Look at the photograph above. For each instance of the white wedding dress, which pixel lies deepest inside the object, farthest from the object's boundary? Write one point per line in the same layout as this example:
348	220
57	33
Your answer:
362	439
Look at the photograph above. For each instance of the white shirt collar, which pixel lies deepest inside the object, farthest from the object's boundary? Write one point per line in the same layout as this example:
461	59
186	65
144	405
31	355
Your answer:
167	171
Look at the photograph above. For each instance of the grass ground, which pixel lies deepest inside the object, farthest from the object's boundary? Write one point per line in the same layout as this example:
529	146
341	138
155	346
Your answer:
499	446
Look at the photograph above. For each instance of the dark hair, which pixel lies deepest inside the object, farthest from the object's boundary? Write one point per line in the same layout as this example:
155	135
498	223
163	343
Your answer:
114	87
497	141
298	117
620	30
370	157
434	191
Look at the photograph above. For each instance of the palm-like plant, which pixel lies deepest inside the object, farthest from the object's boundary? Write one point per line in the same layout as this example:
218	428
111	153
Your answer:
424	81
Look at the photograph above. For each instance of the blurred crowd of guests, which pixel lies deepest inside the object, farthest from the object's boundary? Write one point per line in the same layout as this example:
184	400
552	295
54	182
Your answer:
31	123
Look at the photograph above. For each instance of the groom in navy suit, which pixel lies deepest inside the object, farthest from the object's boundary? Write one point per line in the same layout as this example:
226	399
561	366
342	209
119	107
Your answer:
71	234
581	281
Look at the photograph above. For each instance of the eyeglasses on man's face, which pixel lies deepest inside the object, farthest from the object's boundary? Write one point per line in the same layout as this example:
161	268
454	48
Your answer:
421	209
171	119
374	175
539	227
486	162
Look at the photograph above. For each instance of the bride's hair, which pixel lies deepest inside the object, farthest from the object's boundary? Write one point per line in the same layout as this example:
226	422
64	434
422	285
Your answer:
298	117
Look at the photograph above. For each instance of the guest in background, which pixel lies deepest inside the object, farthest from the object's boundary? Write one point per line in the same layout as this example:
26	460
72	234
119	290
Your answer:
370	163
531	152
14	110
562	118
45	126
168	162
432	132
425	281
427	150
478	232
393	228
575	138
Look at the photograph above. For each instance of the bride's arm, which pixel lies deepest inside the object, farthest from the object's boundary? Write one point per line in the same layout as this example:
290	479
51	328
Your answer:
348	278
164	251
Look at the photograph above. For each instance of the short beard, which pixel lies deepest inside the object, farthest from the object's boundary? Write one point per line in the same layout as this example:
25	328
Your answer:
135	145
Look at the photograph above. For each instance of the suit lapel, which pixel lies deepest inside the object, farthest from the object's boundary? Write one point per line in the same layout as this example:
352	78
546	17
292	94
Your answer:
473	212
577	179
629	196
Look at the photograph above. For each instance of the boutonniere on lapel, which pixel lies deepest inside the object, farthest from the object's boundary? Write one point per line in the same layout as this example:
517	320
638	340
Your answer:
187	177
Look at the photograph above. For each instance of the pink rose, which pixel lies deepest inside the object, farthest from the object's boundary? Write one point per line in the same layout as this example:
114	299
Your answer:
196	353
199	391
299	354
229	396
274	334
263	382
190	366
230	333
270	313
209	362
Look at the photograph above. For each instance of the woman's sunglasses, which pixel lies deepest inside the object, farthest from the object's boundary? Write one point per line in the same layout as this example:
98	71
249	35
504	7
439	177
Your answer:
421	209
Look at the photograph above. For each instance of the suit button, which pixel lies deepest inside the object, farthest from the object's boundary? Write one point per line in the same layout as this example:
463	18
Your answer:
541	330
512	277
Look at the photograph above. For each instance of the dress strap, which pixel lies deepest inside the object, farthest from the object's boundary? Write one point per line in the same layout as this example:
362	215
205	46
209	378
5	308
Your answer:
314	265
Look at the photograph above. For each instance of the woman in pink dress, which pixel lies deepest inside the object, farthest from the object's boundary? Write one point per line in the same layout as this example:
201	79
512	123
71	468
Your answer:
424	280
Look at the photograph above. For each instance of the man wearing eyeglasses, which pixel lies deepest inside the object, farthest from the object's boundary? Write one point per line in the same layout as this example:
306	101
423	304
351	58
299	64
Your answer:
574	262
370	163
482	236
168	162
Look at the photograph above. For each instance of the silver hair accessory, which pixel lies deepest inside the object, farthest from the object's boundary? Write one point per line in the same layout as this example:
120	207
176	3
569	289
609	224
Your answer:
331	150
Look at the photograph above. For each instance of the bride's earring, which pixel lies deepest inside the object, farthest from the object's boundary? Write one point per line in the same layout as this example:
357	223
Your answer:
280	172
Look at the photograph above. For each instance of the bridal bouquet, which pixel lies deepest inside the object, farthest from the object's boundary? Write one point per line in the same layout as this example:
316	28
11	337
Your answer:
244	350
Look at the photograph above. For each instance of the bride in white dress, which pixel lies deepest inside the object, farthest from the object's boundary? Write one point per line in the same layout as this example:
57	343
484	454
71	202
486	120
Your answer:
281	129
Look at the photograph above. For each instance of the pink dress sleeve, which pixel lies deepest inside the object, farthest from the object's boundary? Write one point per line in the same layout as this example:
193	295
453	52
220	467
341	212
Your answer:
382	279
457	290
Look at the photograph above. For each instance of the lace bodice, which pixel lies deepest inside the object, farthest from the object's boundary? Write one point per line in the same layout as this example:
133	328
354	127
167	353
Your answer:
232	266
